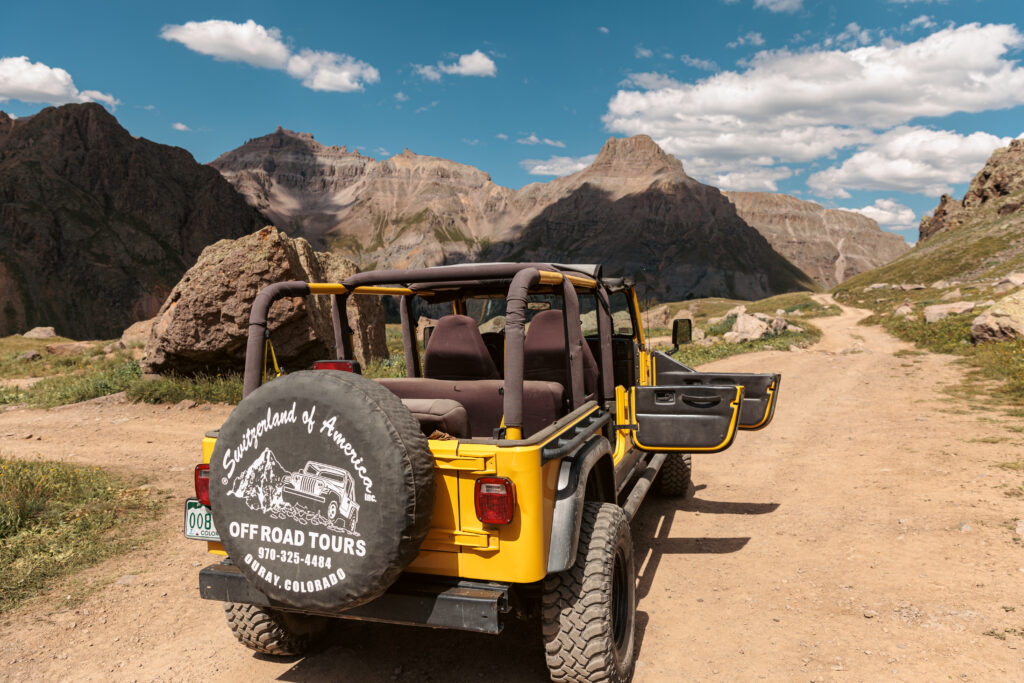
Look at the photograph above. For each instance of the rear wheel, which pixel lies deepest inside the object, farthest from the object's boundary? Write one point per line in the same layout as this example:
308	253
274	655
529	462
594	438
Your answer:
272	632
676	475
588	611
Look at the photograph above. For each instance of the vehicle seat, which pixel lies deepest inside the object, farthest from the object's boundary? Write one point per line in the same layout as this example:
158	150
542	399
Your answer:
495	343
545	357
439	414
456	351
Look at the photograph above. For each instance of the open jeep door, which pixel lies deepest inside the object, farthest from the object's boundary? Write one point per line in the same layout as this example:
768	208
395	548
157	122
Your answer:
760	391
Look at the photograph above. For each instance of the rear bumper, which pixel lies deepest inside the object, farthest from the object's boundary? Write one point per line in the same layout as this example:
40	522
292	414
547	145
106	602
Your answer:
414	599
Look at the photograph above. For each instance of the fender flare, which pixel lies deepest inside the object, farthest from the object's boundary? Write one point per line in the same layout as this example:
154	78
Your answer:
594	456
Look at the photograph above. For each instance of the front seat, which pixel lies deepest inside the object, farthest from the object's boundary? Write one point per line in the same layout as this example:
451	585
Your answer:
456	351
545	357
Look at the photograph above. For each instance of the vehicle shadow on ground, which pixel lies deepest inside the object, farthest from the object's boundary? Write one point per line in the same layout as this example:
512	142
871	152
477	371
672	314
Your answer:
367	651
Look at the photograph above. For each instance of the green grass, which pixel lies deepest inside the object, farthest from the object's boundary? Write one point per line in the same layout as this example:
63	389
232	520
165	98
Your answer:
201	388
108	378
57	518
694	354
1015	465
15	346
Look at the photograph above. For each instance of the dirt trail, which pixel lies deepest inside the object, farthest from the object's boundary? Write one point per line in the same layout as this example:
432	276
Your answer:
864	536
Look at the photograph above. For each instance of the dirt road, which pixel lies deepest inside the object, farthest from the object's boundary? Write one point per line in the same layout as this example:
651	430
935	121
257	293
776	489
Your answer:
864	536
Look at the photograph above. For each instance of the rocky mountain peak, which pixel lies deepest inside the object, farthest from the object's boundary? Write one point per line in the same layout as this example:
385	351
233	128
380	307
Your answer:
638	155
999	187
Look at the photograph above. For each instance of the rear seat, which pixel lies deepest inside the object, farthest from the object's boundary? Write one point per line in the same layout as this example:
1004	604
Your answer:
484	402
439	415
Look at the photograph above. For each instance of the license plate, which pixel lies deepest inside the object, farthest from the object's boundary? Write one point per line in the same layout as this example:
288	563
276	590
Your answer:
199	522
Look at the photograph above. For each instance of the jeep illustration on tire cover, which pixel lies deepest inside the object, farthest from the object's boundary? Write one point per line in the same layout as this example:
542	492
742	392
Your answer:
322	487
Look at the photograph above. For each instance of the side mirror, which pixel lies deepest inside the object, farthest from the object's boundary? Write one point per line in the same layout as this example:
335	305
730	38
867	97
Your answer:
682	332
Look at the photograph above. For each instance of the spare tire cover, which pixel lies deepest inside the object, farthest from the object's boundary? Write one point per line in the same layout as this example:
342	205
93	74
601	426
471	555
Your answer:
322	489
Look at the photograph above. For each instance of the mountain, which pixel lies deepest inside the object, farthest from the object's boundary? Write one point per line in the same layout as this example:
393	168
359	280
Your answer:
634	209
977	238
830	245
260	485
96	226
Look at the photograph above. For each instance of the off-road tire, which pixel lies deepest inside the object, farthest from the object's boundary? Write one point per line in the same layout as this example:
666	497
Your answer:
676	475
588	611
272	632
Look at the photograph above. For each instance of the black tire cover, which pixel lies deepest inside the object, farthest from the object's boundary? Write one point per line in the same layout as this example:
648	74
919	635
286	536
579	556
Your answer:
322	489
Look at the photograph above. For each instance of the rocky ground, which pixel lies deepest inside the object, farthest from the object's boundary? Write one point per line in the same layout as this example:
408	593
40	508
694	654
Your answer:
865	535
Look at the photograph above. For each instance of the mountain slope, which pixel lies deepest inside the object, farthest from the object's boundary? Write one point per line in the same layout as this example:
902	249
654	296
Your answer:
830	245
633	209
96	226
978	237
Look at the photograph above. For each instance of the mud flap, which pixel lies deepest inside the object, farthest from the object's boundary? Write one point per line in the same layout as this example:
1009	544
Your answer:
760	391
698	419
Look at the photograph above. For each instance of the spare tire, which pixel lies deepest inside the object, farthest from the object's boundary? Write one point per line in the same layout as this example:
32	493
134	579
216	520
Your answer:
322	489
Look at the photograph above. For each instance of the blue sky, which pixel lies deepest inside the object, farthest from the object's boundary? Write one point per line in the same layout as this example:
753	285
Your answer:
878	105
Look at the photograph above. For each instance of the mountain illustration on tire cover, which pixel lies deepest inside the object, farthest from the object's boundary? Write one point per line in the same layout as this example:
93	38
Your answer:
305	496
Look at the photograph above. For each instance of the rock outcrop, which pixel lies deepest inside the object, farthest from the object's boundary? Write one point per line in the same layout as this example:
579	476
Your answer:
1004	320
203	325
97	225
633	209
830	245
998	187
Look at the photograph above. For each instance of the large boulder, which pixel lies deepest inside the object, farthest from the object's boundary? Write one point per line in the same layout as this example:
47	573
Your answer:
203	325
933	314
746	328
661	316
1005	320
40	333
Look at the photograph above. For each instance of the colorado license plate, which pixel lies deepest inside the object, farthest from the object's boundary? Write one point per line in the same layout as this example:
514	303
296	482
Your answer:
199	521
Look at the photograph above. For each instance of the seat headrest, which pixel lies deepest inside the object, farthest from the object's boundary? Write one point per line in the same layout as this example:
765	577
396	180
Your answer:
544	352
456	351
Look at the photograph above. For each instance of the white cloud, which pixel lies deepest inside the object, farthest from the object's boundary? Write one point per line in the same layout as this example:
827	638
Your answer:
911	159
471	141
401	96
330	71
501	136
743	175
705	64
780	5
792	107
642	52
425	107
263	47
228	41
752	38
923	21
476	63
180	126
381	152
889	213
149	107
602	29
532	139
557	166
36	82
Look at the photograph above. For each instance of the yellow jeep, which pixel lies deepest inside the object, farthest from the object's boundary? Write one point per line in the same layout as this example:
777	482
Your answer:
497	478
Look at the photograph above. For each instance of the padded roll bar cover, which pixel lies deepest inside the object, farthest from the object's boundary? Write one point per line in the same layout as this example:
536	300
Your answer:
515	323
258	328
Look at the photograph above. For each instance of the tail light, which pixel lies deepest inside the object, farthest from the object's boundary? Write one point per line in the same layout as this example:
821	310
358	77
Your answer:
343	365
203	483
495	499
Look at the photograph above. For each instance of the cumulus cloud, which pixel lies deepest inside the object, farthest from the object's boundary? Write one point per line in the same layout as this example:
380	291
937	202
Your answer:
602	29
264	47
912	159
557	166
780	5
532	139
923	21
476	63
180	126
794	107
752	38
705	64
35	82
501	136
889	213
401	96
642	52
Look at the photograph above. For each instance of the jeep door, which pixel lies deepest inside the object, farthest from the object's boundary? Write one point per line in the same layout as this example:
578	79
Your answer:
760	391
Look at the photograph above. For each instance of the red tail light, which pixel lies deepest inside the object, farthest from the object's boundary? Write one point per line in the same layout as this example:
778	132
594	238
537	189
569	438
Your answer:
203	483
343	365
495	499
